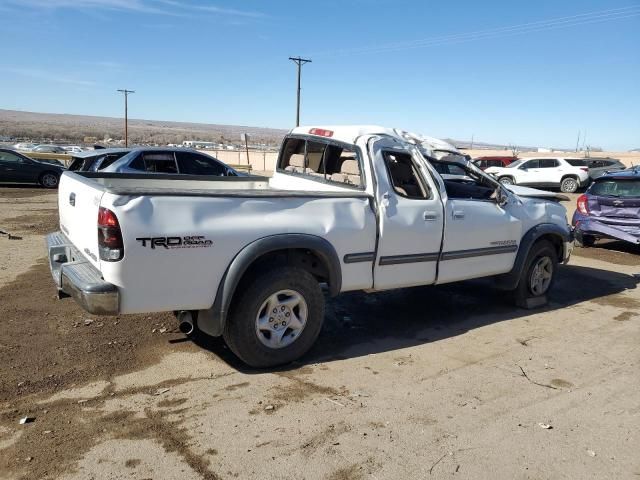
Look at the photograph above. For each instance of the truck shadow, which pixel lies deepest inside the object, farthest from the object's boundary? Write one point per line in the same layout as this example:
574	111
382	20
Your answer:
358	323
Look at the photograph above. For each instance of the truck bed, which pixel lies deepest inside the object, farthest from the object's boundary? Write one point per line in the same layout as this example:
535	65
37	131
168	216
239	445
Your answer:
201	186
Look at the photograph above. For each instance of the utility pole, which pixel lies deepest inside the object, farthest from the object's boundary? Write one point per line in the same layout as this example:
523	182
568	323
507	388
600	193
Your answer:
126	123
299	62
578	141
472	141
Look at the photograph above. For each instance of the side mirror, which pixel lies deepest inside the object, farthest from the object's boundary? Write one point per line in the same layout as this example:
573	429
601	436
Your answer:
523	168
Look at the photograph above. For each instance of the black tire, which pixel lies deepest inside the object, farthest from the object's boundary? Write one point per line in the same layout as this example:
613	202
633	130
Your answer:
49	180
506	180
569	185
240	329
526	295
585	241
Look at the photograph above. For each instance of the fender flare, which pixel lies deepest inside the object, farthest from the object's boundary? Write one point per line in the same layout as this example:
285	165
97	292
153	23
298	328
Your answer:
509	281
213	319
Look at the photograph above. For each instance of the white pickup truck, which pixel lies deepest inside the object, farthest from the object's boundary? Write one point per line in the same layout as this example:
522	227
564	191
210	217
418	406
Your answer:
352	208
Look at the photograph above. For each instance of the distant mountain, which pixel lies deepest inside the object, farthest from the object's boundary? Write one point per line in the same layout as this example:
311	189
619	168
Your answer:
74	128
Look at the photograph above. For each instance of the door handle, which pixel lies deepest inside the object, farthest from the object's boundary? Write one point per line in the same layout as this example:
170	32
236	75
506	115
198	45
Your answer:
72	199
430	216
458	214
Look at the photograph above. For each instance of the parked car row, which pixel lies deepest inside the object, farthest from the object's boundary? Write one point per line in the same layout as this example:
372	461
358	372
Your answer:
16	167
567	174
610	208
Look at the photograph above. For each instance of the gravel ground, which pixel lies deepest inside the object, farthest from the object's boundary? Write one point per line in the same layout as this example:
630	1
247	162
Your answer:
415	383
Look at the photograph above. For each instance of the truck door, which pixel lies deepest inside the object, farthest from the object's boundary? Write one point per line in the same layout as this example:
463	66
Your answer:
410	217
481	237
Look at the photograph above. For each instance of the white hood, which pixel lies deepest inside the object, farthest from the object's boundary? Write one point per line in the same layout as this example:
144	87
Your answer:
535	193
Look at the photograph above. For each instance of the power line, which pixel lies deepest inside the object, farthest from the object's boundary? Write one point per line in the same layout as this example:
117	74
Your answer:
299	62
519	29
126	121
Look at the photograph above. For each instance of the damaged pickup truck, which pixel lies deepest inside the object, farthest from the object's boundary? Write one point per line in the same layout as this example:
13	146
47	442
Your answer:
350	208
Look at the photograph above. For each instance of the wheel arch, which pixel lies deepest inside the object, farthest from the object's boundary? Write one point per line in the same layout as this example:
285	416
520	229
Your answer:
314	254
550	232
570	175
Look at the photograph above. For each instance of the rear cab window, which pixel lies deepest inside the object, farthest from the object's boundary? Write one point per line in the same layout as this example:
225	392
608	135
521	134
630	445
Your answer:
326	161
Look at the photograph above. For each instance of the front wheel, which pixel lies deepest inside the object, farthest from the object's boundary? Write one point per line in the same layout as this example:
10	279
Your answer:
49	180
537	275
506	181
275	318
569	185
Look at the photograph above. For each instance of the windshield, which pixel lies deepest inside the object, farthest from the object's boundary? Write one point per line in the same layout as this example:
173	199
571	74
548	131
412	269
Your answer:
616	188
515	164
461	167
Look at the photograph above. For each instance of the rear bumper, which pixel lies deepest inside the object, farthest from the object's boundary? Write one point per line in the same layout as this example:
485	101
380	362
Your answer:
588	226
76	277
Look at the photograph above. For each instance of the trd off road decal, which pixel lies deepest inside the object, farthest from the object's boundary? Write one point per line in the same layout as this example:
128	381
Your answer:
504	243
192	241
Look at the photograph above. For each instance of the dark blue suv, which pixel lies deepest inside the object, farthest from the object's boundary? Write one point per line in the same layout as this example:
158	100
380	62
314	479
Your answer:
610	208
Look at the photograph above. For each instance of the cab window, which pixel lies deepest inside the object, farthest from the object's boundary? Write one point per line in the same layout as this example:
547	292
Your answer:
404	176
326	161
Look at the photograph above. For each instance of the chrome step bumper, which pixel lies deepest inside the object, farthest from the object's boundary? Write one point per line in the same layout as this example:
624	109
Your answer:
76	277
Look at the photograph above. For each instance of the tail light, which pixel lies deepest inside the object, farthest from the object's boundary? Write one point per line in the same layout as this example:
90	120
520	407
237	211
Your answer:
110	242
583	204
584	169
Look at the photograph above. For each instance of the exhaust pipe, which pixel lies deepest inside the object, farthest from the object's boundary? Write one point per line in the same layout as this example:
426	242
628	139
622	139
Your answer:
185	322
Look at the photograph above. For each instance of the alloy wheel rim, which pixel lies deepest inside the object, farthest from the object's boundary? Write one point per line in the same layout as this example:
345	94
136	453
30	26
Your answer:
49	180
541	275
570	185
281	319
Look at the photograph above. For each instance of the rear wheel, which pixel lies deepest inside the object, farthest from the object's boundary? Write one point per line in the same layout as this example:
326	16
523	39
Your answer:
49	180
275	318
585	241
569	185
506	181
537	275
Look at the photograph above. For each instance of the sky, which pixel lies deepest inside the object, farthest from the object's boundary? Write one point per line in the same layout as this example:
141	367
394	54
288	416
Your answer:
509	72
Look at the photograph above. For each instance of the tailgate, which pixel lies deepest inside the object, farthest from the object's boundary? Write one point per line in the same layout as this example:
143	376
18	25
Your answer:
78	203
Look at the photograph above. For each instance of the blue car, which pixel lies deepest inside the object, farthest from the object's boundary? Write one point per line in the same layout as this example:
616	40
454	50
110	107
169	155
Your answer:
610	208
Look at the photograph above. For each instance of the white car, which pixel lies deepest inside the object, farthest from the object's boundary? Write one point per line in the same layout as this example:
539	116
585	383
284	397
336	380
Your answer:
568	174
25	146
73	149
353	208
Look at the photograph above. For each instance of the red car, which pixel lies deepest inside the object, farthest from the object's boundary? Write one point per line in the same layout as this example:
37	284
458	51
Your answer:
486	162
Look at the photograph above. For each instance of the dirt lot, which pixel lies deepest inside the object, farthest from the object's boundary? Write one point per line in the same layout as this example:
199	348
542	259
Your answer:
420	383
